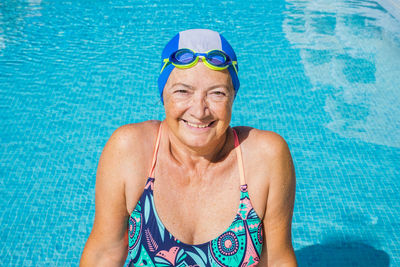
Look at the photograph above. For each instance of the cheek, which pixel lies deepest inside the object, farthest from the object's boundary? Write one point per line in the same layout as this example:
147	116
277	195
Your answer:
173	108
223	111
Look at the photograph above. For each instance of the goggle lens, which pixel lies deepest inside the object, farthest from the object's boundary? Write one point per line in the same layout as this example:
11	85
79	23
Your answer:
183	56
217	58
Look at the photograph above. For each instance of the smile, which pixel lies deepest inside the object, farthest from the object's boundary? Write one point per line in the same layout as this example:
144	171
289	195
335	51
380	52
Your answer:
195	125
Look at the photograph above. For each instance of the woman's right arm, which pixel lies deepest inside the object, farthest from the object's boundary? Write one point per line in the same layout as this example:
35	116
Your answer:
107	244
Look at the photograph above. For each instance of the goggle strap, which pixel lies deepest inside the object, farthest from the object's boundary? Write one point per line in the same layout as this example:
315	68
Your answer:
234	63
166	61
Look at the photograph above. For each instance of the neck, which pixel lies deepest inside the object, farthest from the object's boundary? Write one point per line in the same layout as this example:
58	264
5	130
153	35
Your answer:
198	159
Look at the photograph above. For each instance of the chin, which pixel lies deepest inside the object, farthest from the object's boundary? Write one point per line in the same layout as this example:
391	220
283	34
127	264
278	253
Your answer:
202	140
197	141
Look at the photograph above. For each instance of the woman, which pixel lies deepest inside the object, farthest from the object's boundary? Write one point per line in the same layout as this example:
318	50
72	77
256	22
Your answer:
191	191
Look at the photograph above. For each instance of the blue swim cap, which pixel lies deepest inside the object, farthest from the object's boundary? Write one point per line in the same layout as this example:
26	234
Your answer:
201	41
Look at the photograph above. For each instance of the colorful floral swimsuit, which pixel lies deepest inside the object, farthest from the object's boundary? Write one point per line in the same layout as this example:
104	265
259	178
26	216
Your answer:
151	244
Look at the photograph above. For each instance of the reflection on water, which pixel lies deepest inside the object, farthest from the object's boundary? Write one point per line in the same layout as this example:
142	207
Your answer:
351	50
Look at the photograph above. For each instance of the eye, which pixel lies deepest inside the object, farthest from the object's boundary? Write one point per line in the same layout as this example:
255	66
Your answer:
219	93
181	91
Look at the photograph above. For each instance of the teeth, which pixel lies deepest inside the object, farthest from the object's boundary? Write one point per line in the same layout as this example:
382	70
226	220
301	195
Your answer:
196	125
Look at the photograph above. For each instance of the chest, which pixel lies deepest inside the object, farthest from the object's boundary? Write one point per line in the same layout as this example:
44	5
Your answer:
196	210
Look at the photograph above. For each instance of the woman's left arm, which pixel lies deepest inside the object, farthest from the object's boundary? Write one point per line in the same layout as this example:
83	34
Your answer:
278	249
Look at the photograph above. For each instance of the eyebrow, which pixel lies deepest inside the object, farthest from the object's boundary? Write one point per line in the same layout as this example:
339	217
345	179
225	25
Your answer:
218	86
182	84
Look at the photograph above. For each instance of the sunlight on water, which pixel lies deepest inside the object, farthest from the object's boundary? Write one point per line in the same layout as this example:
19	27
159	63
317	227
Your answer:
351	49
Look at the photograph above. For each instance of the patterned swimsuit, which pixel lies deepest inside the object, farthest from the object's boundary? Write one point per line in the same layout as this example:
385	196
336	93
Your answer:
151	244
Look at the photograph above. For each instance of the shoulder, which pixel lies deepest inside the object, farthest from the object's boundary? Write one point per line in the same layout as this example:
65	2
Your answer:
134	134
264	144
127	151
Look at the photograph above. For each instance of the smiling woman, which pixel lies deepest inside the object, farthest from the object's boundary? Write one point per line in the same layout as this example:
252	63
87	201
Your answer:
213	195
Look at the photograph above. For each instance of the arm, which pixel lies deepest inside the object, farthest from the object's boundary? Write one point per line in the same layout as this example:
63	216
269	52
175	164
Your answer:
107	244
278	250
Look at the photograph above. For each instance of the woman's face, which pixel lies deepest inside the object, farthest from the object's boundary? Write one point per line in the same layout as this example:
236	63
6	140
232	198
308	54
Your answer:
198	105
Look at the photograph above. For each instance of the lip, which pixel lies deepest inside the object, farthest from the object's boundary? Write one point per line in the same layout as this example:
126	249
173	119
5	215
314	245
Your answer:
198	126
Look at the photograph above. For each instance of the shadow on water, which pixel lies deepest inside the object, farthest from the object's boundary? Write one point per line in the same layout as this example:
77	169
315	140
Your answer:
342	255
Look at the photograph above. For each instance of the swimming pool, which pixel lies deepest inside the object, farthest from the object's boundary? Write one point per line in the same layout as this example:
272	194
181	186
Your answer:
323	74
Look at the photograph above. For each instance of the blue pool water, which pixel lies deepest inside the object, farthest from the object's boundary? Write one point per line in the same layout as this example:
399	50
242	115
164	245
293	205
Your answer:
323	74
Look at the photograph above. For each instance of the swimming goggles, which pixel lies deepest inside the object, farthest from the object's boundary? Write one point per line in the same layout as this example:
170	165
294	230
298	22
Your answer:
186	58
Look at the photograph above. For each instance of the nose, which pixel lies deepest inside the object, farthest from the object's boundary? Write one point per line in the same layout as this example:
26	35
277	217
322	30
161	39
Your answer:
199	107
